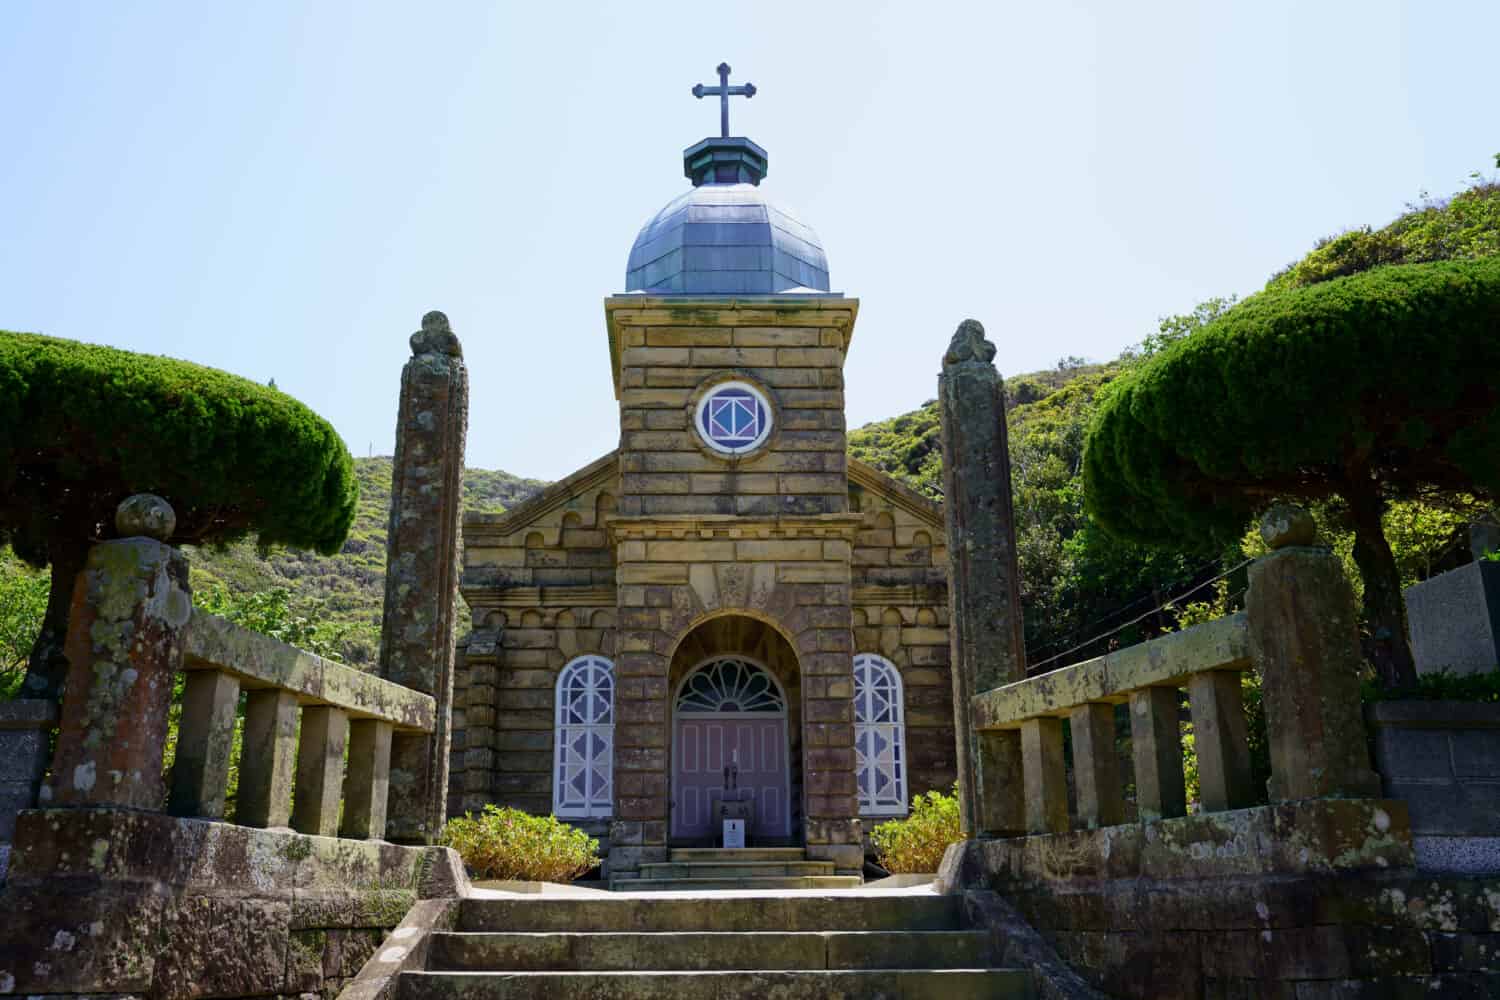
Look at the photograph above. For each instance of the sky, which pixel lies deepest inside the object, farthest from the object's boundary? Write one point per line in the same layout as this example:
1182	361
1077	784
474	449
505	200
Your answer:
281	189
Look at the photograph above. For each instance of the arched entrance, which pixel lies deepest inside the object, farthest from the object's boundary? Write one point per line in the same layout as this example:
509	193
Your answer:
734	697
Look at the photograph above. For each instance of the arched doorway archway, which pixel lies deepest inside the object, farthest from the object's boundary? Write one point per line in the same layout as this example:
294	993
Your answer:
735	692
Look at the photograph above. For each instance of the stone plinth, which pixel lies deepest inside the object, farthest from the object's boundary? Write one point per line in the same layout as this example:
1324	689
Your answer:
422	560
108	901
1442	758
1313	899
987	650
125	645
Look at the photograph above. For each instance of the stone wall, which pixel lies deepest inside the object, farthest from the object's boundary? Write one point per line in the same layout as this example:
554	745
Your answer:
1314	901
1443	759
900	611
667	358
100	901
793	575
540	582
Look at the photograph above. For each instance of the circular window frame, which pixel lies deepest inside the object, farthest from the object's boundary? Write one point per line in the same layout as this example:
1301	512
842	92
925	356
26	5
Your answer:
699	399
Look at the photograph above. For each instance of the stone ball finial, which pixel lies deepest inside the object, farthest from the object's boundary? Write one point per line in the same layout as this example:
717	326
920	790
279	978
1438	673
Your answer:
436	337
145	514
1287	524
968	344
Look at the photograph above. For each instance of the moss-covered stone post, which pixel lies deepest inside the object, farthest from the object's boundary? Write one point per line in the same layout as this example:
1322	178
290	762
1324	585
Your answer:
422	560
1303	638
984	594
130	607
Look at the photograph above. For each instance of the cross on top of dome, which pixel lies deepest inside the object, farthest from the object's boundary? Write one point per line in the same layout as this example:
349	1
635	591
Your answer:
724	92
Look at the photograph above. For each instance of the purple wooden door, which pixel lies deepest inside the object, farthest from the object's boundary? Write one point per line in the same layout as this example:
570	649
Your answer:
704	744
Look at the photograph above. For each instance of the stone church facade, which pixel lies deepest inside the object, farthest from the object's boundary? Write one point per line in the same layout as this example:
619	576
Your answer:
727	589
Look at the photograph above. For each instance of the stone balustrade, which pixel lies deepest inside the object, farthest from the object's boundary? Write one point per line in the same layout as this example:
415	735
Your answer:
317	739
1207	660
1297	631
341	710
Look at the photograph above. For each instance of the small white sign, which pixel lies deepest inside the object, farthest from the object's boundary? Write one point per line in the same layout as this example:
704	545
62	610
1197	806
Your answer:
734	833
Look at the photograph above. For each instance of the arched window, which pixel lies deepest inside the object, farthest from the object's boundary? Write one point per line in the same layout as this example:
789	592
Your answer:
583	764
879	737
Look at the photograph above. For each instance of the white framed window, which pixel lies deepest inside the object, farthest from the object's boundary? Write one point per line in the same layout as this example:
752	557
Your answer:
584	749
879	737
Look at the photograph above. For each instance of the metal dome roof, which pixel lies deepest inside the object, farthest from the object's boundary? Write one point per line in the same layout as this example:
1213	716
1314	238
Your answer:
723	237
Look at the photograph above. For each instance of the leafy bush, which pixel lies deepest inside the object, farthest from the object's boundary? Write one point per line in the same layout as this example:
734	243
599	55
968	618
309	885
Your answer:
510	844
1464	227
1441	686
917	843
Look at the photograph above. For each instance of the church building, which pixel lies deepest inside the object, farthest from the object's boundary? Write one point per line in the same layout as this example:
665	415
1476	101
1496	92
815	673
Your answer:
726	599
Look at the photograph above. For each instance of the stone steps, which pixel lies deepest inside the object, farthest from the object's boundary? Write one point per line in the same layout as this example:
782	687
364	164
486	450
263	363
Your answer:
902	984
688	951
812	912
793	946
688	855
746	882
732	869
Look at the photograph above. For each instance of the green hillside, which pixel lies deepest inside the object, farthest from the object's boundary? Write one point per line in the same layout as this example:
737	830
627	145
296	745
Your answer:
341	593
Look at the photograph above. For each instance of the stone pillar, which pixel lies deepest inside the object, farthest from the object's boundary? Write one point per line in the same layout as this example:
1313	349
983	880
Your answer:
1045	775
1156	741
984	591
1096	767
320	770
205	740
268	756
1304	639
421	578
124	647
1219	737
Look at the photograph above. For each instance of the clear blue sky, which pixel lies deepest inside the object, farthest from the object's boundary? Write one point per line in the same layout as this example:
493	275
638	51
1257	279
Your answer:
282	189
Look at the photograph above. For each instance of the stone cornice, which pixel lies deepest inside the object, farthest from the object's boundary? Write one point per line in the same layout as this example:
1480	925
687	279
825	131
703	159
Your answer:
826	310
493	527
732	526
896	491
543	597
899	593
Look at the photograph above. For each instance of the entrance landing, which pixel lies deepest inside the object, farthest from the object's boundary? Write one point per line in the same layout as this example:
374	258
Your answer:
695	869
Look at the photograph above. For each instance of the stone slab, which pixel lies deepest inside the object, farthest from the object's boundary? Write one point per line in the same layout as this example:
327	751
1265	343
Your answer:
259	661
948	984
1222	644
1454	619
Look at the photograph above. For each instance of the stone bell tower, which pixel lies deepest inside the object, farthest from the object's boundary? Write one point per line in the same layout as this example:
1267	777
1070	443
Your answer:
727	353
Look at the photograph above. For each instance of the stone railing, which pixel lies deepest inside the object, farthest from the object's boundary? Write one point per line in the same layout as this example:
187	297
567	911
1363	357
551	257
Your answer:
133	628
340	709
1298	632
1207	660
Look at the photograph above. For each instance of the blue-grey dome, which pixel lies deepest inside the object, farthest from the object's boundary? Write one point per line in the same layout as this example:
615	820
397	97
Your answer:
723	237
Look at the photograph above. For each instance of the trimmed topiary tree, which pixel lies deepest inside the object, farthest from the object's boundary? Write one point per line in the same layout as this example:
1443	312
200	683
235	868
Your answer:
82	427
1383	385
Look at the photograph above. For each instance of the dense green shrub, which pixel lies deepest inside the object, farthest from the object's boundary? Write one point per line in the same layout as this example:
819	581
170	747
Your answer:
510	844
1442	686
917	843
1375	387
82	427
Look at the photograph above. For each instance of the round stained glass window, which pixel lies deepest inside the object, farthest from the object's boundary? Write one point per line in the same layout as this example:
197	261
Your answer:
733	418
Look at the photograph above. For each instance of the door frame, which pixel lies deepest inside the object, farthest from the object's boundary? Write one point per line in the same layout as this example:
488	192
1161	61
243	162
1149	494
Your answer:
786	733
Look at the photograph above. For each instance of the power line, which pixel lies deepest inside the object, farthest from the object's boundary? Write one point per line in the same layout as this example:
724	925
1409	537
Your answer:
1140	618
1121	610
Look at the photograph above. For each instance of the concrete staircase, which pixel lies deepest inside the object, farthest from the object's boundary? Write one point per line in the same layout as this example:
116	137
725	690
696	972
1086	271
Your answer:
789	946
694	868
